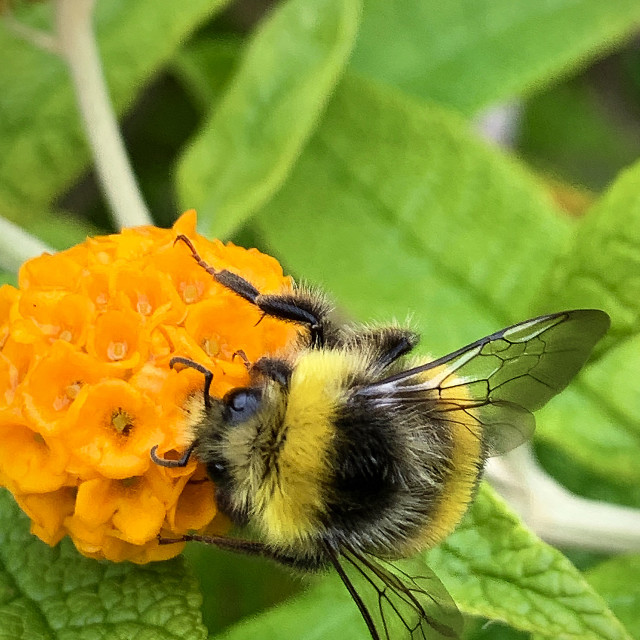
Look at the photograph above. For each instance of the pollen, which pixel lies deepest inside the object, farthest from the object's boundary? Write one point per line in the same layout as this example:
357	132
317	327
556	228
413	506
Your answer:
211	346
86	389
122	422
190	293
73	389
117	350
143	306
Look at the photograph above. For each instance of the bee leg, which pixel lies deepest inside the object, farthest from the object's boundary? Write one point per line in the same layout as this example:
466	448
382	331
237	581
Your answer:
228	279
296	307
393	343
275	369
387	344
208	375
311	311
249	547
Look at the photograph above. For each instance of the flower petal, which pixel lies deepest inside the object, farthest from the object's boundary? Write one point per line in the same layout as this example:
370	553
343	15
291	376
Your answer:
86	387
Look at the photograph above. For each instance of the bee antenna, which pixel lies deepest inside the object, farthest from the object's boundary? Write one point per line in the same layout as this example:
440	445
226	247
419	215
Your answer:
172	464
243	356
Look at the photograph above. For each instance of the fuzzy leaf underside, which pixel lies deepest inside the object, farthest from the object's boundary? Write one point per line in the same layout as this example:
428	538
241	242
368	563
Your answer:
56	594
495	567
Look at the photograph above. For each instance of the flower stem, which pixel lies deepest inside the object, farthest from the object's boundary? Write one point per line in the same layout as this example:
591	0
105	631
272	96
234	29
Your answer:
16	246
78	47
557	515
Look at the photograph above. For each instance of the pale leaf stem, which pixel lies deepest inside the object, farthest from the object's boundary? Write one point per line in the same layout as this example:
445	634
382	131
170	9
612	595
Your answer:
78	46
557	515
17	245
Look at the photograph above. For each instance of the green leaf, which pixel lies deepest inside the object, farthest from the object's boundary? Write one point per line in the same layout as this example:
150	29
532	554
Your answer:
249	144
306	617
479	630
205	66
472	54
235	586
56	594
41	135
407	210
494	567
618	581
8	278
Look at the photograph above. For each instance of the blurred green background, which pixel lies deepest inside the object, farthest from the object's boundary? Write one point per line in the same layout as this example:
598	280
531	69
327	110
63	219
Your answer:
352	144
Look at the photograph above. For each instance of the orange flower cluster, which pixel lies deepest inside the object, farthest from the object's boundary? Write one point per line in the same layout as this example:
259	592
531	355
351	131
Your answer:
86	389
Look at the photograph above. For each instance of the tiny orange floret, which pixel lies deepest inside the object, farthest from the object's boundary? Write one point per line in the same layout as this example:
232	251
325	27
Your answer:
86	389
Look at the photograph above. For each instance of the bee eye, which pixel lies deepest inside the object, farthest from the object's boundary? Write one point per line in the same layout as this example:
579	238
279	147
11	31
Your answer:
242	404
217	471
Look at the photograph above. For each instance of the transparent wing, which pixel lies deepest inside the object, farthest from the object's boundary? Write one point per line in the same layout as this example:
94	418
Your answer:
403	600
499	380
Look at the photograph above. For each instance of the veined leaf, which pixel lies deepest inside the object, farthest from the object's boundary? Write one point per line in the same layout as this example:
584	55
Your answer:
56	594
494	567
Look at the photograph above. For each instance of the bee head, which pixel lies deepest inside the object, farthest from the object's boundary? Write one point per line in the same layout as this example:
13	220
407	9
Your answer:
237	440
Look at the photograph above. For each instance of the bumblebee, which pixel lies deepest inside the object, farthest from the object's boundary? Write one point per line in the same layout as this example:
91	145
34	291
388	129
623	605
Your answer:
347	452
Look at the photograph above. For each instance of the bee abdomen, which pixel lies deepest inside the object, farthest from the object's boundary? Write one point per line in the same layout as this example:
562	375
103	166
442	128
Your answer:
375	496
400	482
